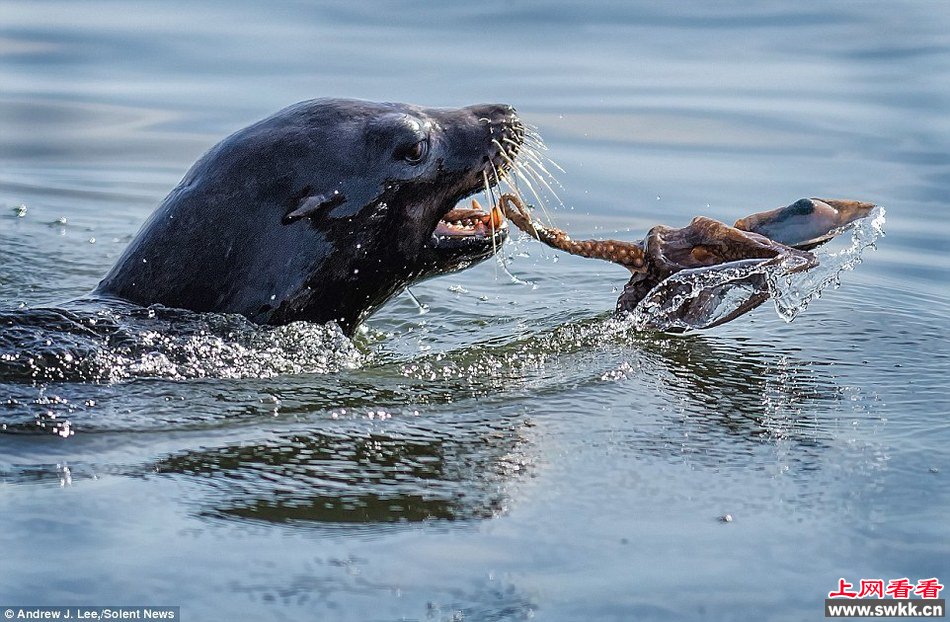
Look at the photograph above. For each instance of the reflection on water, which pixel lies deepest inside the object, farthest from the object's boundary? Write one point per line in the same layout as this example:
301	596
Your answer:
516	451
362	452
738	390
419	470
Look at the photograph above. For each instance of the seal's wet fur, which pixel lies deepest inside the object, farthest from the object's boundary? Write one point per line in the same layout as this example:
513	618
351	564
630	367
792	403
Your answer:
321	212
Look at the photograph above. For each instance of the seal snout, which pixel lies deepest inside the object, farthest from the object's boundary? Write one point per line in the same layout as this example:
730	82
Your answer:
485	139
506	132
495	114
505	136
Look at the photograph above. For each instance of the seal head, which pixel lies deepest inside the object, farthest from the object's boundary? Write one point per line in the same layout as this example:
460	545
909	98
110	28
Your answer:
322	212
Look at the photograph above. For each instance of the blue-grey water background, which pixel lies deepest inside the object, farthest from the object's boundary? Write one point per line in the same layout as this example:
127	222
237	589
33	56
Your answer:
510	453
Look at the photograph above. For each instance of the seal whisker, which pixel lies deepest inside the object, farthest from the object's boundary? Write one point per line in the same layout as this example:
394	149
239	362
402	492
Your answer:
509	186
516	167
531	130
514	144
527	167
512	183
554	164
488	187
537	196
531	160
504	156
535	142
493	204
531	155
512	189
489	190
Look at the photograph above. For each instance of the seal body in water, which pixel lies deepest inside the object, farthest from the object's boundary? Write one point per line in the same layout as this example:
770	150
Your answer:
322	212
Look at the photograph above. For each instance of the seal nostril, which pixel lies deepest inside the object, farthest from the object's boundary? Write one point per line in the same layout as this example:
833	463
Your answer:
495	114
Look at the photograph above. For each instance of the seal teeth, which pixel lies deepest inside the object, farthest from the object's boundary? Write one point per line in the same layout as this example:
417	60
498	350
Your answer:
496	218
472	221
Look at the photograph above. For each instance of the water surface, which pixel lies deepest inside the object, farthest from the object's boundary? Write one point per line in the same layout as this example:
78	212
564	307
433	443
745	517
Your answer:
513	452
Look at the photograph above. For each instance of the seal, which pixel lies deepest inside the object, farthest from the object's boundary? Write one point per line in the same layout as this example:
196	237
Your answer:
323	211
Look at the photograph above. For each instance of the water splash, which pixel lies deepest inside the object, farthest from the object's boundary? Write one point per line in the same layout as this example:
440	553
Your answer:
250	352
106	341
89	343
706	297
791	295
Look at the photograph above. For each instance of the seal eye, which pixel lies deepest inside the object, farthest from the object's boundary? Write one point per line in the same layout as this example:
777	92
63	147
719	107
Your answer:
415	153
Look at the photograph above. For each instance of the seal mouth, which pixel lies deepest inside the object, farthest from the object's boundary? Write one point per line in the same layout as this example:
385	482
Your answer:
465	233
471	225
464	236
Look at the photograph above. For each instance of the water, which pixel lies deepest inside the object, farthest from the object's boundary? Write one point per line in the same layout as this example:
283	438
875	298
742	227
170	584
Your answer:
515	451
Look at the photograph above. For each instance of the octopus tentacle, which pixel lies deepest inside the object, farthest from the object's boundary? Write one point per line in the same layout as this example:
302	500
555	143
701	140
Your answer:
627	254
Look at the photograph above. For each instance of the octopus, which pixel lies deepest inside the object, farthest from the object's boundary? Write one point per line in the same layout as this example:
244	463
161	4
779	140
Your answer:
786	234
